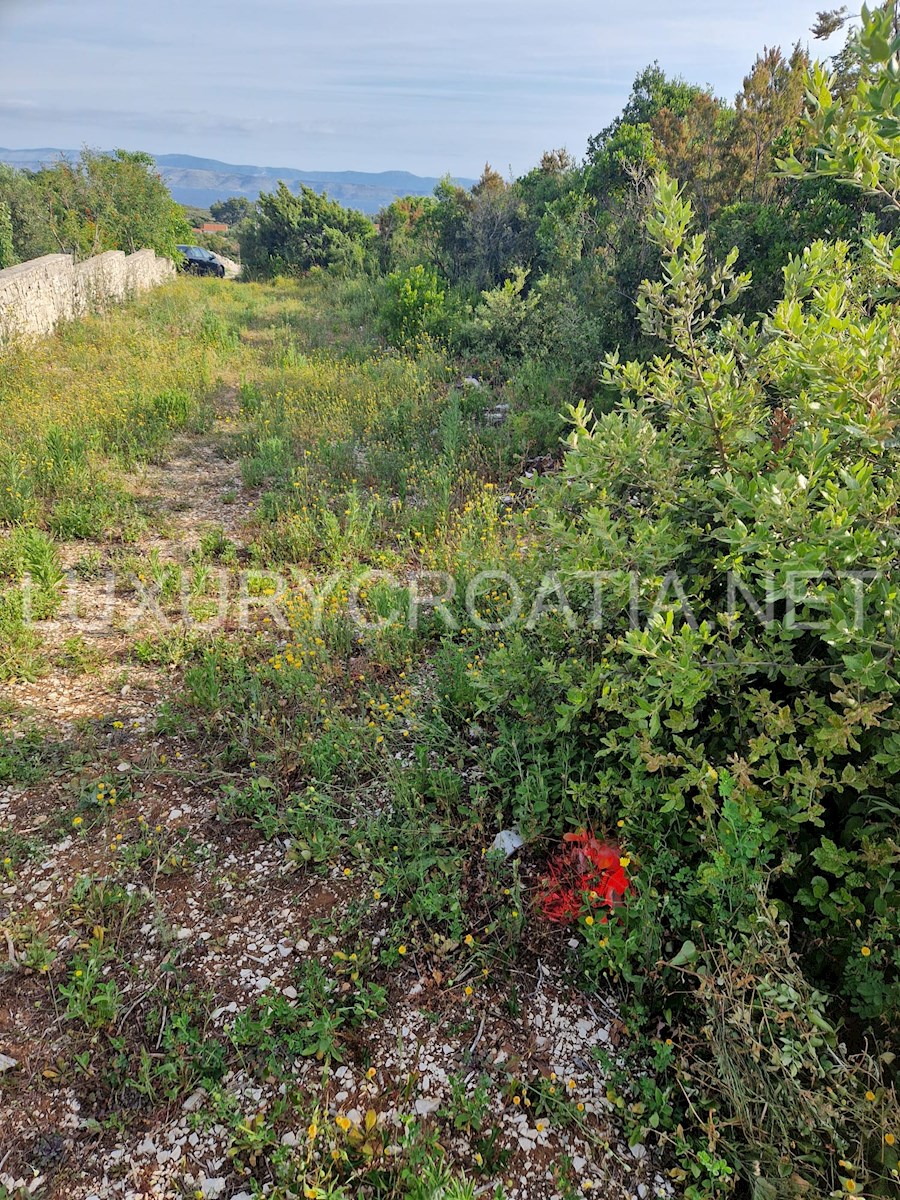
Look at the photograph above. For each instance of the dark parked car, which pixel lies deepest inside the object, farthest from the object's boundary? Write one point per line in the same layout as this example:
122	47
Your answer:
201	262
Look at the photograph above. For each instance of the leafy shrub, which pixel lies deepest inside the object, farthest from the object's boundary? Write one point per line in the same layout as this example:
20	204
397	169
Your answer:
114	201
7	250
414	305
290	234
506	318
732	715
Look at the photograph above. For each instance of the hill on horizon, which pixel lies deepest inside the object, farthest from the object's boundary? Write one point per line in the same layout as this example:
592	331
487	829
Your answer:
202	181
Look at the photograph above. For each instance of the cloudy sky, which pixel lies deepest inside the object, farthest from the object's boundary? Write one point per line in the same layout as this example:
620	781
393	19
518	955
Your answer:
422	85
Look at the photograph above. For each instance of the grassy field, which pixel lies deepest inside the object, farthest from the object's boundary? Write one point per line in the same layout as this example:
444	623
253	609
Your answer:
257	935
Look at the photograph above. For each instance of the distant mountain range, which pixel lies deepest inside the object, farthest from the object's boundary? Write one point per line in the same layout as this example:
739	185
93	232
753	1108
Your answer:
201	181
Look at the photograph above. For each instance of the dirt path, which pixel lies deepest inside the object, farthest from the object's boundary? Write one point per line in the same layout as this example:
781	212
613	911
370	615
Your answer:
196	489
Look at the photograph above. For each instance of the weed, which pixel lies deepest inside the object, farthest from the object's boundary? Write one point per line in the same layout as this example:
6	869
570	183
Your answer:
78	656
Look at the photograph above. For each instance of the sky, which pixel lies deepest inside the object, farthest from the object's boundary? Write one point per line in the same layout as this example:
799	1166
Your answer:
427	86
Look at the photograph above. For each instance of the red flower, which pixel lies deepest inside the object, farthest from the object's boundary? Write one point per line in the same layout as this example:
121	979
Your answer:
583	872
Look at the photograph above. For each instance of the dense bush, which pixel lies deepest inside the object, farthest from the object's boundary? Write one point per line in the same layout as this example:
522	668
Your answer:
110	202
94	203
414	304
291	233
733	710
7	249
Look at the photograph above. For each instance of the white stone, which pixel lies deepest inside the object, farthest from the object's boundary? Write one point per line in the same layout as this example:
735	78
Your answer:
195	1099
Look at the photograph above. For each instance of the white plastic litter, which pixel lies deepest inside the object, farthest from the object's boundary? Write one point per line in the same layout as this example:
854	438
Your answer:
509	841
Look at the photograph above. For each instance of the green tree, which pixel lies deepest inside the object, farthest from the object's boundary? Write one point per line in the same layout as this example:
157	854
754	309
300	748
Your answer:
770	102
855	137
399	228
31	232
233	210
767	234
444	230
291	233
696	148
112	201
476	238
7	253
651	92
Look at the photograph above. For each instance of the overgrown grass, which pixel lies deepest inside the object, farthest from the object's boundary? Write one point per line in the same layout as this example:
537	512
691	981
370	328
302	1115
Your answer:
391	752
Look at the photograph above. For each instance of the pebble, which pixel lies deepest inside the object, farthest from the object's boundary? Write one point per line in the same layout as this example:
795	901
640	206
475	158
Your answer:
195	1099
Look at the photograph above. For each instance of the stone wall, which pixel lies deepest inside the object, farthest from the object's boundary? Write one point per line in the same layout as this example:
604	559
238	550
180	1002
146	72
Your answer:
35	296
